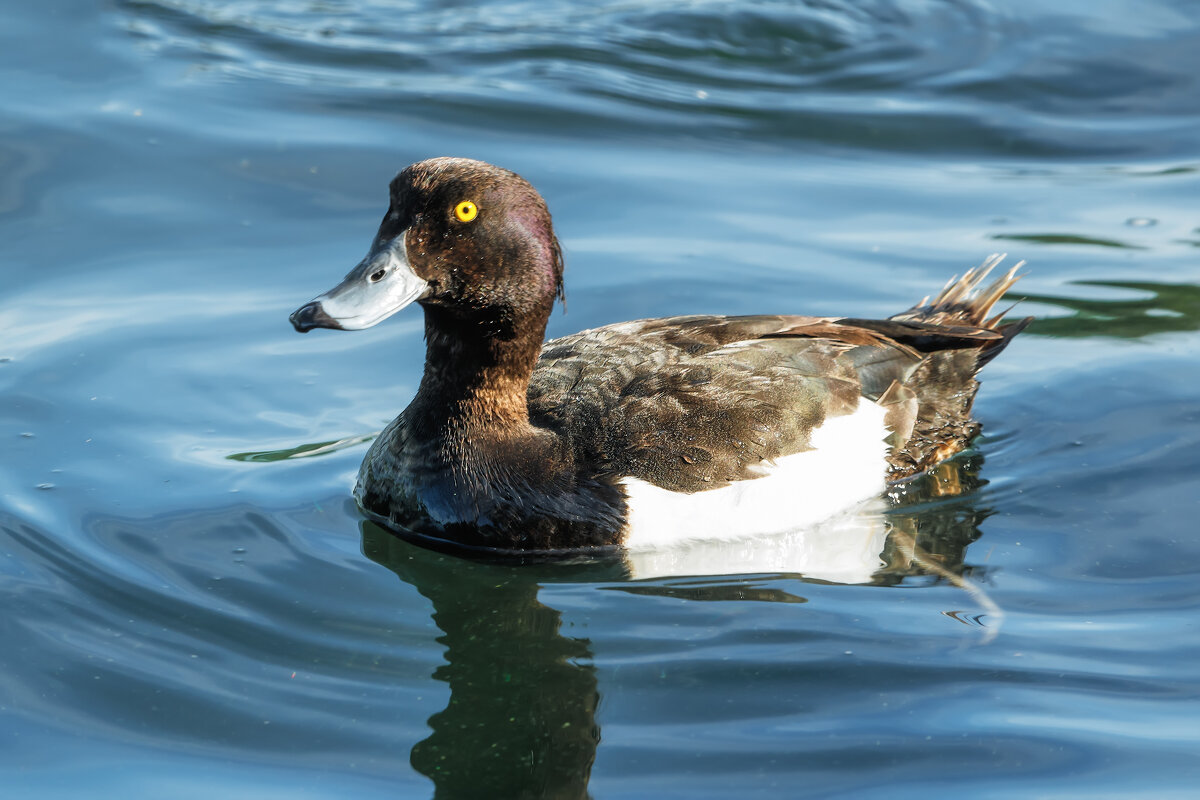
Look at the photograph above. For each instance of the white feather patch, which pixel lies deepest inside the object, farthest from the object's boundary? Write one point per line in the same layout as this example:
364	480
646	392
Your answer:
845	466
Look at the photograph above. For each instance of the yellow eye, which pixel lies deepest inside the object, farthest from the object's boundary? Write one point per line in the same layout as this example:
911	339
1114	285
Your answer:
466	211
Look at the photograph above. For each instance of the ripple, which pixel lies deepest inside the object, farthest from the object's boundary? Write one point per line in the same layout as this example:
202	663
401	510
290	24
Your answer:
1141	308
1066	238
308	450
949	77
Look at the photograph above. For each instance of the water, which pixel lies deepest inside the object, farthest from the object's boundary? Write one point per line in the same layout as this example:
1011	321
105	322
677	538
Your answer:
194	607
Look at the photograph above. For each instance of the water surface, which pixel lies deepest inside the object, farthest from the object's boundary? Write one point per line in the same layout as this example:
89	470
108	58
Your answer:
194	606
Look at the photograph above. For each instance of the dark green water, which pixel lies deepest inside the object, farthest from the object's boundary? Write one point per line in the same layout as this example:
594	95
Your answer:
193	607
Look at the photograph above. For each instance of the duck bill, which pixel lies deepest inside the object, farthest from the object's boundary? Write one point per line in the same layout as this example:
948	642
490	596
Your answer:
381	284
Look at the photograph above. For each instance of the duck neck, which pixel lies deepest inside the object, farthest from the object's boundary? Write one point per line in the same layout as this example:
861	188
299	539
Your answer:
477	370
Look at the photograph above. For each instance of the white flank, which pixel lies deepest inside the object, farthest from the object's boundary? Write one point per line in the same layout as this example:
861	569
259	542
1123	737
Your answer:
845	466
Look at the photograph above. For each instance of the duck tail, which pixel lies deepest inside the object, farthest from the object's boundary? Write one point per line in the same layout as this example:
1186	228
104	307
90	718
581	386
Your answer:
964	337
966	301
962	302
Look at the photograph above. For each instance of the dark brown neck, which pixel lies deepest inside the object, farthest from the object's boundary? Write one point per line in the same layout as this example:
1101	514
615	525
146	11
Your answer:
477	370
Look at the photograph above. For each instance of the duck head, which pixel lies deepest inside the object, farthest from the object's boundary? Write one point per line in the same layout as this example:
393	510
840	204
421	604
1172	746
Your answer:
463	237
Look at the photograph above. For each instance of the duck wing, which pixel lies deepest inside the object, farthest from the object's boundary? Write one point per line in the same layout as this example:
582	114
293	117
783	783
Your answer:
698	402
694	403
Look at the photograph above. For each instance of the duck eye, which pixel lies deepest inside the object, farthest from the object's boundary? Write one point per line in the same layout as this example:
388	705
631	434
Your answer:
466	211
377	275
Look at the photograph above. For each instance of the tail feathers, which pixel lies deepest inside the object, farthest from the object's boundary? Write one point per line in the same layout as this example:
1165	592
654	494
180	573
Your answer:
963	302
1007	331
966	301
944	382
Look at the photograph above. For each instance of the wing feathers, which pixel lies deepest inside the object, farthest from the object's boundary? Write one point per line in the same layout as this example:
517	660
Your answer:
693	403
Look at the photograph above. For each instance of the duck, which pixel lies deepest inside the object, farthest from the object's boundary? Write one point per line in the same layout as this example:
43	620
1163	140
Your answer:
640	434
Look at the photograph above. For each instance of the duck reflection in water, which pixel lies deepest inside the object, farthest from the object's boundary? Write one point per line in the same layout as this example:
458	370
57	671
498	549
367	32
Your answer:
521	720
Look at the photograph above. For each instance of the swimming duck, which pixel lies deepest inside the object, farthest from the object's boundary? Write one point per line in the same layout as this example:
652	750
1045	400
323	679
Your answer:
638	434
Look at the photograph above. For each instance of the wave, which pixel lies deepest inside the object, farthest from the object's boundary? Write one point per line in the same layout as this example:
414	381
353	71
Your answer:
905	75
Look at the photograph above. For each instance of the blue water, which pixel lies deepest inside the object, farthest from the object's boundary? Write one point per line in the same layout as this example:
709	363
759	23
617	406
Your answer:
193	606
